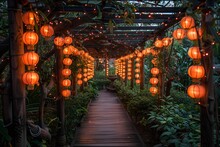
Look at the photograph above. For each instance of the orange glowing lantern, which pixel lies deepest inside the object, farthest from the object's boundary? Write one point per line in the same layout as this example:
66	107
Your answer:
29	18
194	53
79	82
67	61
85	79
154	81
158	43
166	42
154	61
30	59
30	39
66	93
137	76
137	70
139	54
67	51
137	59
85	75
153	90
129	69
68	40
46	31
79	76
66	72
196	71
66	83
196	91
154	71
59	41
194	34
30	78
187	22
137	81
138	65
129	77
179	34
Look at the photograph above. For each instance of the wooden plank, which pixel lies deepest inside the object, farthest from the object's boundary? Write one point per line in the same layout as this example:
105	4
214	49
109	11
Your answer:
107	124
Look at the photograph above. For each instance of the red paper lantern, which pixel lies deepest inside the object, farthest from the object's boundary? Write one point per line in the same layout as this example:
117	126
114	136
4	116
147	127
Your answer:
47	31
59	41
194	53
153	90
68	40
166	42
66	93
30	78
30	59
66	82
66	72
67	51
67	61
154	81
179	34
79	82
29	18
196	71
187	22
196	91
158	43
154	71
192	34
137	76
137	81
30	39
79	76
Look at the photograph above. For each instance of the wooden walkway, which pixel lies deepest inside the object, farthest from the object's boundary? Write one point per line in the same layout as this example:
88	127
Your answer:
107	125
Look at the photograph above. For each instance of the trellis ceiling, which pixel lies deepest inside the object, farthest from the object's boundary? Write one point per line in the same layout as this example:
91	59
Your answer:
112	28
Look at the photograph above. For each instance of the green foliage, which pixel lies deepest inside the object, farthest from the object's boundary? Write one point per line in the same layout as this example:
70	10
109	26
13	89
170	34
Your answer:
100	81
4	136
178	125
75	109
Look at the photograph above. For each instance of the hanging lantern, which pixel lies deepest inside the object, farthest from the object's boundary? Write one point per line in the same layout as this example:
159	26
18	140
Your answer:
192	34
68	40
138	65
154	53
30	78
59	41
129	69
67	61
166	42
66	93
187	22
137	70
196	91
72	49
79	76
137	81
137	59
85	79
66	82
47	31
194	53
67	51
137	76
153	90
179	34
196	71
30	39
66	72
85	70
30	59
79	82
154	81
29	18
131	56
85	75
154	71
139	54
146	51
158	43
129	77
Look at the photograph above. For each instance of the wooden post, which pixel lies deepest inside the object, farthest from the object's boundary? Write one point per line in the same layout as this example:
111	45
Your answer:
142	73
126	72
61	137
132	73
208	102
17	69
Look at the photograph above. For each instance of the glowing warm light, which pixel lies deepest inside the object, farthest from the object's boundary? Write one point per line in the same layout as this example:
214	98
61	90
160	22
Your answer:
194	53
30	38
154	71
30	78
59	41
66	82
66	72
154	81
196	71
179	34
68	40
153	90
187	22
158	43
30	58
166	42
46	31
192	34
196	91
66	93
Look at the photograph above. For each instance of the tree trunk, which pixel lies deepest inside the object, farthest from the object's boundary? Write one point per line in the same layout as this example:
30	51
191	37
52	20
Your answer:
142	73
17	69
132	73
61	137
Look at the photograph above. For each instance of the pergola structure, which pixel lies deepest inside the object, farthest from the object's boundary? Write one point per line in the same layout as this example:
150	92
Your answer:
104	29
